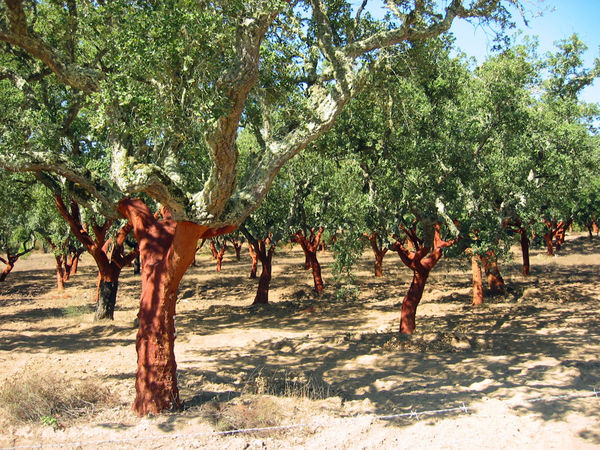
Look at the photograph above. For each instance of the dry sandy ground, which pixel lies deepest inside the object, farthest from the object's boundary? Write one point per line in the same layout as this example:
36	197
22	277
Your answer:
519	371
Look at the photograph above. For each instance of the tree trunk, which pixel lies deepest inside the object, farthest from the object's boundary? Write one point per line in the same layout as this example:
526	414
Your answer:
237	246
108	284
137	265
477	283
378	251
549	245
594	225
265	256
310	247
421	261
492	272
167	249
67	262
525	251
10	261
75	263
411	301
60	275
316	271
220	258
6	271
107	299
254	261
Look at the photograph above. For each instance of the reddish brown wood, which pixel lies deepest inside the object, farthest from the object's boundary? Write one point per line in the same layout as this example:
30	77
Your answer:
237	247
109	255
379	251
420	261
254	257
516	226
218	249
264	252
492	272
310	246
594	225
555	235
167	248
477	282
12	257
60	275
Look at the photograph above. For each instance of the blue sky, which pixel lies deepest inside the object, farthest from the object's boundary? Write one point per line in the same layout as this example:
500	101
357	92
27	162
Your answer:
559	20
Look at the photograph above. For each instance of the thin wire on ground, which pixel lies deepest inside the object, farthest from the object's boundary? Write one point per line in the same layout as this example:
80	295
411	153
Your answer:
413	415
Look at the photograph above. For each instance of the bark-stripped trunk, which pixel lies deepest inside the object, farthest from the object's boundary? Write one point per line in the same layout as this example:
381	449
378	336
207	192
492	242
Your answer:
167	249
254	257
237	247
9	267
412	299
75	261
379	251
310	245
11	259
561	233
492	272
264	252
516	226
218	254
109	256
477	281
594	225
420	261
555	235
60	273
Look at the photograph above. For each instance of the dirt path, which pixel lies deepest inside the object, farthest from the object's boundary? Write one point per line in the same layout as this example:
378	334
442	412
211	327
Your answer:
539	341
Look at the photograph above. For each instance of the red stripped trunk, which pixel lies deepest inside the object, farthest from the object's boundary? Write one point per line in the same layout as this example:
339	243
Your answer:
379	251
12	258
310	247
492	272
167	249
10	264
420	261
75	262
254	257
237	247
594	225
264	252
561	233
109	256
516	226
60	273
220	258
6	271
411	301
477	281
218	254
549	245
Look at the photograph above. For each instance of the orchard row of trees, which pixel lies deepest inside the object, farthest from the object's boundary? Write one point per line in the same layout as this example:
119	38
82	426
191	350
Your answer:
173	121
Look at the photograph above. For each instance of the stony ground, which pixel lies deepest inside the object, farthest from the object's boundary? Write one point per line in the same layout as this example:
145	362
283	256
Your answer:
519	370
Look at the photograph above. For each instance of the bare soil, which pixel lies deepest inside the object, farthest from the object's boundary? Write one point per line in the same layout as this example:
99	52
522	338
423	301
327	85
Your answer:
520	370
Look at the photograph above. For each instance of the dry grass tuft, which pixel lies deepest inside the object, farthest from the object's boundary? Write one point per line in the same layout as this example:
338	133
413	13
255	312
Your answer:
282	383
243	413
43	397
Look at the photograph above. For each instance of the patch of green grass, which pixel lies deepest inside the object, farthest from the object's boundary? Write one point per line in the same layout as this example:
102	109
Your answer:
74	311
